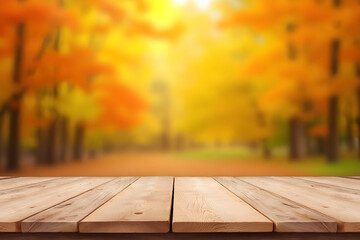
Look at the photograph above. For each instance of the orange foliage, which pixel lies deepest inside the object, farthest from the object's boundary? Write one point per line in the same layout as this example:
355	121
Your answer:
262	64
141	5
319	131
115	12
270	13
350	54
312	12
254	19
293	71
14	12
77	68
343	86
135	26
350	19
121	106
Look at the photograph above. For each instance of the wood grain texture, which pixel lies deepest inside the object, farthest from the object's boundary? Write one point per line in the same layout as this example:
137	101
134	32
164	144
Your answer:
181	236
286	215
339	203
24	191
203	205
354	177
143	207
65	216
19	203
5	177
21	181
336	181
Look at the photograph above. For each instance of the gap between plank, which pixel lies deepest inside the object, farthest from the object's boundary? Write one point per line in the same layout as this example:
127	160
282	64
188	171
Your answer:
172	205
19	222
246	203
137	178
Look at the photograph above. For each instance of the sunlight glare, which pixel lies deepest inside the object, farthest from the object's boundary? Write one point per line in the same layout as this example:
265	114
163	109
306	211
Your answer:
180	2
201	4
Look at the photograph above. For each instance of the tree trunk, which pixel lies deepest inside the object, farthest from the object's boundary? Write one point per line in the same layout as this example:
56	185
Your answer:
41	146
332	142
358	106
13	151
63	141
266	152
295	124
296	139
333	146
13	154
79	141
40	133
2	118
51	150
50	156
165	141
308	141
349	133
320	146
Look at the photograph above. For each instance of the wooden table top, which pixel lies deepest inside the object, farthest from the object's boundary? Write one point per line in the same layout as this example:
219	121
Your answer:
180	205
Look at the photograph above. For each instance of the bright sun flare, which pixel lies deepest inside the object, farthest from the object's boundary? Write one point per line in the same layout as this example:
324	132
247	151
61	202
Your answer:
202	4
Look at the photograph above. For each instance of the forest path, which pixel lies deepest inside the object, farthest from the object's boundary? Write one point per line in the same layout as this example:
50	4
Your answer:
161	164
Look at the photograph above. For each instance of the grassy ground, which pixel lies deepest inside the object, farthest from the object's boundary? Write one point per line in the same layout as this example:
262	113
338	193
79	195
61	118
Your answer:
344	168
348	165
214	154
203	162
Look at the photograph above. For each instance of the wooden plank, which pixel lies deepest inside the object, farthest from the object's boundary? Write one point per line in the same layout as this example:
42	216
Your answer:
5	177
336	181
143	207
24	191
286	215
65	216
19	203
341	204
21	181
354	177
181	236
203	205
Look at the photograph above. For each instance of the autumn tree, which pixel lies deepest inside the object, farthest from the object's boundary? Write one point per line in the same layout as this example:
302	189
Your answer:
297	24
22	16
60	51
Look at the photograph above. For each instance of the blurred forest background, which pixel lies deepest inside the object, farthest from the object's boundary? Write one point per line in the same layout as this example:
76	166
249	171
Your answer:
179	87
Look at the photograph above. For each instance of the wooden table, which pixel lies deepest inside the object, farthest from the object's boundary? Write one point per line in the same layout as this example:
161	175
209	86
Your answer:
180	208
